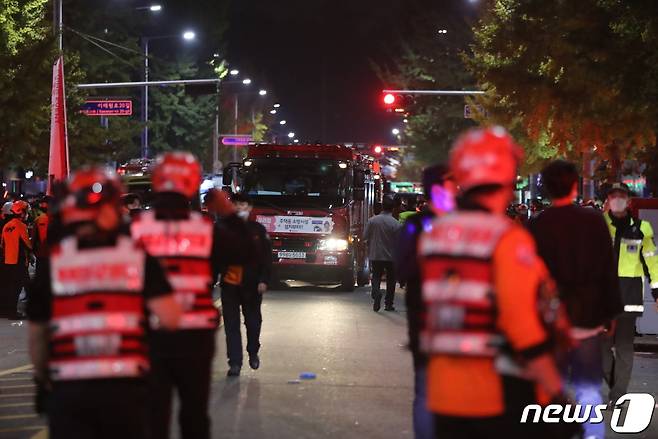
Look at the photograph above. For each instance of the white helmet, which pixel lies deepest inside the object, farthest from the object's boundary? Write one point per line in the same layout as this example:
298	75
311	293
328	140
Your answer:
6	208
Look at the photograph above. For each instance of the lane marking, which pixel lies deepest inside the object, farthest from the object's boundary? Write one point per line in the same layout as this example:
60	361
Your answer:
15	379
17	404
28	416
28	428
15	395
20	386
16	370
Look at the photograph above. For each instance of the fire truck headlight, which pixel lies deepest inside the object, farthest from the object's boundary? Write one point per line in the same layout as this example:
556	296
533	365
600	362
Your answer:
332	245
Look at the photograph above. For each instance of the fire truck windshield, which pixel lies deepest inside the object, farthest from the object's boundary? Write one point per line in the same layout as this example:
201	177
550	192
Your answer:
297	182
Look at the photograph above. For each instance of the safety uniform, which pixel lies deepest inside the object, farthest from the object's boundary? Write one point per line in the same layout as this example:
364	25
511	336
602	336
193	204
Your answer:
40	239
633	241
489	304
15	246
92	297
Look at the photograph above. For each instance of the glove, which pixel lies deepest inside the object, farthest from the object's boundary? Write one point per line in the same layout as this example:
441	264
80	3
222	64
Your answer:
41	396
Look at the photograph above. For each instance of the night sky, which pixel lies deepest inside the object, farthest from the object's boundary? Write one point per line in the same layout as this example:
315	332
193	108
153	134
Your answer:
316	57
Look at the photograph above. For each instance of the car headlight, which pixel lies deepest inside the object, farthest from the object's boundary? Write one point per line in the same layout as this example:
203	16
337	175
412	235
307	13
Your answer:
332	245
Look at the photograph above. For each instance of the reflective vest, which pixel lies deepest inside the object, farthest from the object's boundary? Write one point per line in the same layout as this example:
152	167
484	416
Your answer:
98	323
40	236
14	242
183	247
636	245
458	288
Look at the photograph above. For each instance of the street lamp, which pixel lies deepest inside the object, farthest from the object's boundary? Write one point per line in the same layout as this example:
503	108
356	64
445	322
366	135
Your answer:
283	122
155	8
291	135
234	72
262	92
246	81
395	131
296	141
272	111
277	105
188	35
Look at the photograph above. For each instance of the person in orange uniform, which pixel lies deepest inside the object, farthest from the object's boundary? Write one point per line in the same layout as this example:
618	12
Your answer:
492	316
15	245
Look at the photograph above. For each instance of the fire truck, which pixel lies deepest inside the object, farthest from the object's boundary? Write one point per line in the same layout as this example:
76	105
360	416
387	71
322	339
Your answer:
314	201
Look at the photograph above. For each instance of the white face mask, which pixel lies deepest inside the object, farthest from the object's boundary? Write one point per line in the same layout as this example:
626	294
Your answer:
244	214
618	205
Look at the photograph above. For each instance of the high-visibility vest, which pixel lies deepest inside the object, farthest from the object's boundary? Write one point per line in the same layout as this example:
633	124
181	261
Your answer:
40	239
458	286
98	322
183	247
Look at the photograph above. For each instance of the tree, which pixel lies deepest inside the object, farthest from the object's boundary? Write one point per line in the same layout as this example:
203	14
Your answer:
570	78
427	60
26	55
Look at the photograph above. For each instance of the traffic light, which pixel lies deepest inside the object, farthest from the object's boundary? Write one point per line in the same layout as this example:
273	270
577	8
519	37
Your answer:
395	103
378	149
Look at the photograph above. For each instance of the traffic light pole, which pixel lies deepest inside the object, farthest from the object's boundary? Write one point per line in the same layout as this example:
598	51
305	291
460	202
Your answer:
435	92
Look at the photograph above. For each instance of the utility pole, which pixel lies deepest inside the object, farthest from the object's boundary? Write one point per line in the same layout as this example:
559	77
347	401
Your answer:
216	164
58	24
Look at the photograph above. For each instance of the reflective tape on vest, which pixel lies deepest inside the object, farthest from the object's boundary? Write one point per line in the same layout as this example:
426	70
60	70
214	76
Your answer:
634	308
476	345
199	320
81	323
463	290
650	254
631	241
79	369
119	268
653	285
189	282
183	238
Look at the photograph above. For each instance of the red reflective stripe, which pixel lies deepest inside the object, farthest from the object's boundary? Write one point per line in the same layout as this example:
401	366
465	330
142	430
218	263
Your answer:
187	266
105	302
100	367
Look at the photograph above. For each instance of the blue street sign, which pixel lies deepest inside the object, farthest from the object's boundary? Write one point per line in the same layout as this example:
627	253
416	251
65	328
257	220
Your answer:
108	107
236	140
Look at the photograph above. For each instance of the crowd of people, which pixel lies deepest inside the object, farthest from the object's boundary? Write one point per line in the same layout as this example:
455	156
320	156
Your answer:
120	306
509	306
506	307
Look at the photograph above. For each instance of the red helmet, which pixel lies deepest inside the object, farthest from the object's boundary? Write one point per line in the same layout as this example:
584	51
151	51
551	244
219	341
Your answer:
485	157
88	189
19	207
177	172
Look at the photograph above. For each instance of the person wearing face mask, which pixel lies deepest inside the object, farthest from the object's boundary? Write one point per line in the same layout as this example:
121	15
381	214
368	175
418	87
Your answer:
634	250
243	287
439	189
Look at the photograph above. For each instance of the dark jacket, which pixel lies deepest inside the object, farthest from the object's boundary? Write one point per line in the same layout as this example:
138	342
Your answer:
407	270
575	244
259	267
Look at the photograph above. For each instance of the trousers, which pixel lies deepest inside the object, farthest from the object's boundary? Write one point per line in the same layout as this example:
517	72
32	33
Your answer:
234	299
618	352
378	269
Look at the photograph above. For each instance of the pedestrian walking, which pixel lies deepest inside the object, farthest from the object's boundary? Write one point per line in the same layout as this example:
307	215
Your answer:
439	190
39	237
15	247
575	245
491	318
87	317
243	287
192	252
634	250
381	234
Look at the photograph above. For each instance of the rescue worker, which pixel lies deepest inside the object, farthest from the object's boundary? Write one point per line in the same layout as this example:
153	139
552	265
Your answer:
488	300
634	248
439	190
87	313
15	245
40	233
243	288
193	252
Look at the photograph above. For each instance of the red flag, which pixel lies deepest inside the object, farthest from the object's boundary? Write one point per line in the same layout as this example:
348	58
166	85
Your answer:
58	163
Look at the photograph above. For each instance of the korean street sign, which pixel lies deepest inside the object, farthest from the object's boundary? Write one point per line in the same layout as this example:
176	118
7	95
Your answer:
236	140
107	107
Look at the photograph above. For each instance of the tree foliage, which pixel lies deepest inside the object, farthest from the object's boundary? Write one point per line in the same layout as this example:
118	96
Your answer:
570	77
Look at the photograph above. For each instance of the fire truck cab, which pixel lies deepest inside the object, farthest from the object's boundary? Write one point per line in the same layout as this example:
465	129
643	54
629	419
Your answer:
314	201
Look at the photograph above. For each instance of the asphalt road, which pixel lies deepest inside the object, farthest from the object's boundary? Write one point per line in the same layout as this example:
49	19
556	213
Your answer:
363	388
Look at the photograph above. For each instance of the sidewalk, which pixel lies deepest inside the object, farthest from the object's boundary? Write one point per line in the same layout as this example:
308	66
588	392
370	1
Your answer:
646	343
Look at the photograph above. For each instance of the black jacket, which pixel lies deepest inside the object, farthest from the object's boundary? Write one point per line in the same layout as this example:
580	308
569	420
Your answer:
259	267
575	244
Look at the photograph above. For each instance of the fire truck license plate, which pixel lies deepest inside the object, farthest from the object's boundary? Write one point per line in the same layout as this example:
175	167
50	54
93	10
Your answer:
292	255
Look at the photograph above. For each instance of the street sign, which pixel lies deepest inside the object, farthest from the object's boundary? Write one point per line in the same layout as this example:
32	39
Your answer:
109	107
469	110
236	140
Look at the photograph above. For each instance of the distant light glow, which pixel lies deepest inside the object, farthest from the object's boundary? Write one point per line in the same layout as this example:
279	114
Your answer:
277	105
291	135
246	81
155	8
272	111
248	163
443	31
405	120
189	35
296	140
29	174
395	131
342	165
283	122
378	149
262	92
234	72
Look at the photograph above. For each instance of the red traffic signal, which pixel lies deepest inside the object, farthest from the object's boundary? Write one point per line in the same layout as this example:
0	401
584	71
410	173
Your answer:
389	99
378	149
395	102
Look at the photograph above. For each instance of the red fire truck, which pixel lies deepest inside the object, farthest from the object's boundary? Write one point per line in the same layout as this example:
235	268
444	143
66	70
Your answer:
314	200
